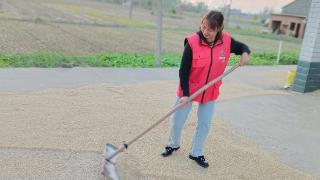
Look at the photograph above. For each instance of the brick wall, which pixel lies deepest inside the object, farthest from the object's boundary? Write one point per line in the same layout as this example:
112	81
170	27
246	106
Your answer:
286	22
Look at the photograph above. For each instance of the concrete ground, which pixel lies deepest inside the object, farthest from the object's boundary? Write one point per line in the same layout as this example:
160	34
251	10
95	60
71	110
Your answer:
285	125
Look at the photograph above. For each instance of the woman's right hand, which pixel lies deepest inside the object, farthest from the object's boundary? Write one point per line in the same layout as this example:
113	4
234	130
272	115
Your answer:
183	100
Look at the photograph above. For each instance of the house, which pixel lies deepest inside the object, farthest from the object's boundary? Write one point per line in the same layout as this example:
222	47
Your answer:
292	20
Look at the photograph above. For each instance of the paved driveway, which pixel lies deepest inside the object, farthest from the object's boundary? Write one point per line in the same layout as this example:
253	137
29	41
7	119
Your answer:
285	125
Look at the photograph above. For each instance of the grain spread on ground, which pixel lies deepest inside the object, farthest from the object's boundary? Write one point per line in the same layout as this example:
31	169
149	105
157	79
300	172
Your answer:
86	118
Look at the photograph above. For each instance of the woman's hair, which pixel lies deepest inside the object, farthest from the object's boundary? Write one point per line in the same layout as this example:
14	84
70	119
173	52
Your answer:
215	22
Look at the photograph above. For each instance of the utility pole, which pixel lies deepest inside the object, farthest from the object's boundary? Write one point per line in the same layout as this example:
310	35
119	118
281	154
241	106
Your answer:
130	8
228	13
159	34
82	12
181	7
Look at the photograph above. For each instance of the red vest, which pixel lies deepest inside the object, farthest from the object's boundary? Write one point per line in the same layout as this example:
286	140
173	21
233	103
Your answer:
207	64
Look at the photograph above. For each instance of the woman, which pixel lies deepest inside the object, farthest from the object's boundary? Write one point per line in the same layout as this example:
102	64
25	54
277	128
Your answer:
205	57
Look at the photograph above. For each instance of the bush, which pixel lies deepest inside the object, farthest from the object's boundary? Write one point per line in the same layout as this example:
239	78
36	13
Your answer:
269	58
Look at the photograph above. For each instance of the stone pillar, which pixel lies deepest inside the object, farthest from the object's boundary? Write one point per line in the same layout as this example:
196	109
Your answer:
308	71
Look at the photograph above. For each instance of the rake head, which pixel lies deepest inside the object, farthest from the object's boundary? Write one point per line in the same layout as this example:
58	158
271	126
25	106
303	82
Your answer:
109	169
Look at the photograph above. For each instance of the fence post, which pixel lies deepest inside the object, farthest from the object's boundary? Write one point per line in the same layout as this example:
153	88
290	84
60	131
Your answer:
279	52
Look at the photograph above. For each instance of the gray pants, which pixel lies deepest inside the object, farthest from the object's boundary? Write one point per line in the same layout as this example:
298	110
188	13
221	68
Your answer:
205	113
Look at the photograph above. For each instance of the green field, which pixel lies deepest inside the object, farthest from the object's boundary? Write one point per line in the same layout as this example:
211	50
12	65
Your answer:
86	28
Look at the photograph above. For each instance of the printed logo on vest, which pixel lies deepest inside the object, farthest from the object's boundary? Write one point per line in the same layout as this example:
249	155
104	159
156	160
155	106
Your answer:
222	56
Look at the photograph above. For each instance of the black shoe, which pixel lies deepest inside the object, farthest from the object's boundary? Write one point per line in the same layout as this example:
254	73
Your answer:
200	160
168	151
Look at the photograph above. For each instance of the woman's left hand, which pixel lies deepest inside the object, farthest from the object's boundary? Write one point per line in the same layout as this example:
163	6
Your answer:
244	59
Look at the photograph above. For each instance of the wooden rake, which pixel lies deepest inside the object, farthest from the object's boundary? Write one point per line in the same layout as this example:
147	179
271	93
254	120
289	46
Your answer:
110	153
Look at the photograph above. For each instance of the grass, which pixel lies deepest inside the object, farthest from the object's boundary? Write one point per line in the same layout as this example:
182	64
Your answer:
269	58
263	44
93	13
132	60
135	36
37	60
254	33
101	15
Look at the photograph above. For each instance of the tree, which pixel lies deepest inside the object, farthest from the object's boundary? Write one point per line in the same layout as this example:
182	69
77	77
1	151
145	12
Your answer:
199	7
265	14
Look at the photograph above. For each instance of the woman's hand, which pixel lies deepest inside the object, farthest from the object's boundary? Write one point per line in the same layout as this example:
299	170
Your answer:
244	59
183	100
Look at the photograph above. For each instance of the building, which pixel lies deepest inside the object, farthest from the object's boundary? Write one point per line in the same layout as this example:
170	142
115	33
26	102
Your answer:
292	20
